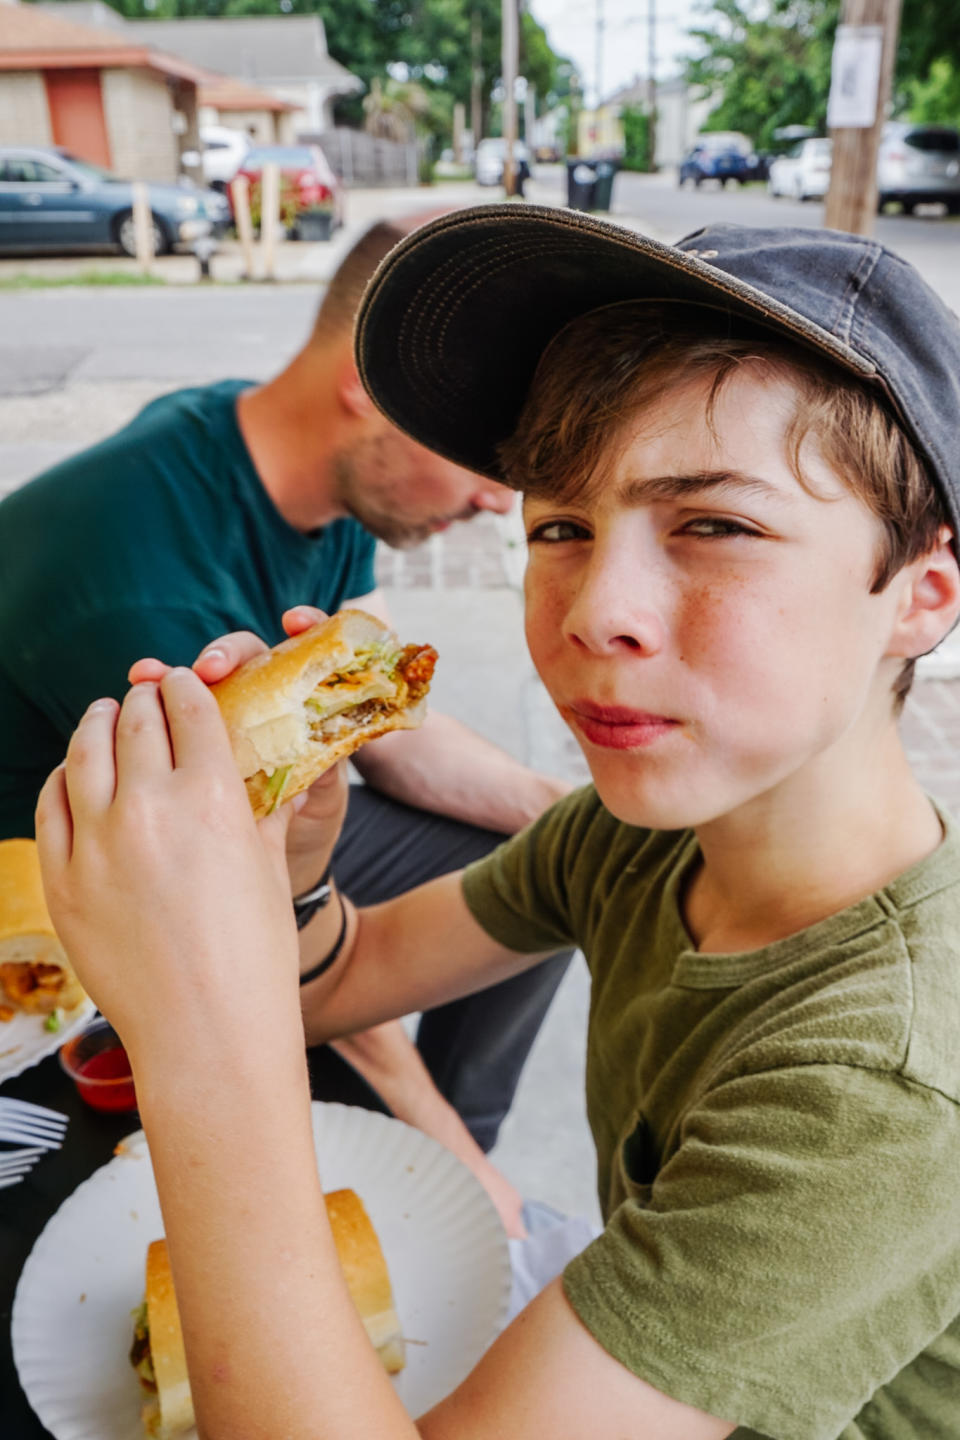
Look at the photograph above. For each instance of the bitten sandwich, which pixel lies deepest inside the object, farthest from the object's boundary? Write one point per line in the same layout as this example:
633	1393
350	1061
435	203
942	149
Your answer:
35	974
296	709
157	1353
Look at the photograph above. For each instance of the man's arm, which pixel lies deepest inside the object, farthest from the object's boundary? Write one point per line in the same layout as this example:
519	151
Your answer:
412	953
449	769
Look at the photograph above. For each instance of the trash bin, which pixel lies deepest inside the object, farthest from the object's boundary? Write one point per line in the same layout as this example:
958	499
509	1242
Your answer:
580	185
314	225
590	184
603	186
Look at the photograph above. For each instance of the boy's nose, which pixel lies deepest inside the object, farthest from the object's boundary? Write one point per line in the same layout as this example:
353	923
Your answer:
612	612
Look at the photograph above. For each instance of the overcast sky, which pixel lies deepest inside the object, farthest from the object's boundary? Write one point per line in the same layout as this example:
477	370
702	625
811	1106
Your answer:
572	28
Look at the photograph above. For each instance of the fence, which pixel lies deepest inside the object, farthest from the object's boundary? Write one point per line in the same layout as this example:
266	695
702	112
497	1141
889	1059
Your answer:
362	159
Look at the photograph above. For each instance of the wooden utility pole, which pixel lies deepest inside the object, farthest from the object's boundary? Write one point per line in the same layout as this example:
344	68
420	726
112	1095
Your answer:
651	85
598	83
861	81
510	45
476	79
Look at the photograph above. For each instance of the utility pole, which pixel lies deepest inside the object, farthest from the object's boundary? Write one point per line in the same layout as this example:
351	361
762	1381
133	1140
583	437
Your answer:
651	85
599	62
860	85
510	28
476	79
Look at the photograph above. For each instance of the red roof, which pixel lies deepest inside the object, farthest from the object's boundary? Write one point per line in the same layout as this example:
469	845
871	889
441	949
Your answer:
33	40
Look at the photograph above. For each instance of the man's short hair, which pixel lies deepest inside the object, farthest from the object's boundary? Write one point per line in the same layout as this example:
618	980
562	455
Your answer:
339	305
610	365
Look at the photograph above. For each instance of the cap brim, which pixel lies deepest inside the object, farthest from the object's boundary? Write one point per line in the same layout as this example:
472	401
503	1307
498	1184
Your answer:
453	324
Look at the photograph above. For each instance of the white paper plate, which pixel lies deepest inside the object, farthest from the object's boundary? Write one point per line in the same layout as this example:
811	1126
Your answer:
445	1247
24	1041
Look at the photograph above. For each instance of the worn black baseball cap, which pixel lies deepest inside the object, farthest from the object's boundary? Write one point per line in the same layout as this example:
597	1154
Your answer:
455	320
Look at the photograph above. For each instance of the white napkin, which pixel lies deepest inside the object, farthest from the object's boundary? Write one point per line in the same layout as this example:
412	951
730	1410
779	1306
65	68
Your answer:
553	1240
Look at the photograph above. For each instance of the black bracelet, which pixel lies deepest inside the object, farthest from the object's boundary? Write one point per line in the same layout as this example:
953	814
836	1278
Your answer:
305	906
331	955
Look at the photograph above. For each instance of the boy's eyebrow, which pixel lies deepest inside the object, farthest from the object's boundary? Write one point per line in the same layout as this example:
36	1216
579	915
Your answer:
674	487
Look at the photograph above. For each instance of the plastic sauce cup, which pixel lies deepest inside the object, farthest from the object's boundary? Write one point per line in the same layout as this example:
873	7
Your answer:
97	1064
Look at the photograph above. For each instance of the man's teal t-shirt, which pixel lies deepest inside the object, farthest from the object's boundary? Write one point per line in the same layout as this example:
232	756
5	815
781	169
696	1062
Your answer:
150	543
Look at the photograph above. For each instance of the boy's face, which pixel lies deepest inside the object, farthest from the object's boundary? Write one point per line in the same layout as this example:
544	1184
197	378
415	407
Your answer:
705	625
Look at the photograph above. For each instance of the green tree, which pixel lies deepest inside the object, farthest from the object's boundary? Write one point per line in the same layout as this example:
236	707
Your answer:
769	65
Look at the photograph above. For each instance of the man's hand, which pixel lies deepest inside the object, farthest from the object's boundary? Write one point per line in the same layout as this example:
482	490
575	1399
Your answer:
318	814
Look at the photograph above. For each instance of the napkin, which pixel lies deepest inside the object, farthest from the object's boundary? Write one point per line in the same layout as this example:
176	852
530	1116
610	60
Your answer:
551	1243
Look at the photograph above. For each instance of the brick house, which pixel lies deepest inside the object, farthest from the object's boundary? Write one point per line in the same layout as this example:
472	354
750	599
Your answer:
110	98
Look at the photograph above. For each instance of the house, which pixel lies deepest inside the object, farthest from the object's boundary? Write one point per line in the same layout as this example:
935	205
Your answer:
108	97
283	54
681	112
239	106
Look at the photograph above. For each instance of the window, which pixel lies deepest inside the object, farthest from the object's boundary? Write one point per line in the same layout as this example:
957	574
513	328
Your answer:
941	141
32	172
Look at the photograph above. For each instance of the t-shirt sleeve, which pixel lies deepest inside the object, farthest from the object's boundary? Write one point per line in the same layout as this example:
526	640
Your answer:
89	657
359	578
797	1250
525	894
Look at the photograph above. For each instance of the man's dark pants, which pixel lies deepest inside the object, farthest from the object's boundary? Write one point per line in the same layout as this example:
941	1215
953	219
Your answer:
474	1048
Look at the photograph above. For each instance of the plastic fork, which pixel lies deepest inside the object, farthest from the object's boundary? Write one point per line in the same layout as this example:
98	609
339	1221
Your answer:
15	1164
31	1124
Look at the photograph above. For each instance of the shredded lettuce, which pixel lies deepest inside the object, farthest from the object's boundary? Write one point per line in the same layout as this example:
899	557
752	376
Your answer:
276	785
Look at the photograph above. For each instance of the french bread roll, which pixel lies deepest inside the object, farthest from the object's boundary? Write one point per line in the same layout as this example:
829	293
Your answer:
295	710
158	1354
35	974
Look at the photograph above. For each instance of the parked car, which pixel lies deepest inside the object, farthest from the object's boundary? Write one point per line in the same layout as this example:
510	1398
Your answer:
307	181
919	165
721	155
803	173
489	158
51	199
222	152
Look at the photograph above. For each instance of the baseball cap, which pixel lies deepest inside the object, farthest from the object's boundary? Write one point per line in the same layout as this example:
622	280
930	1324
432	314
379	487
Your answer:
454	322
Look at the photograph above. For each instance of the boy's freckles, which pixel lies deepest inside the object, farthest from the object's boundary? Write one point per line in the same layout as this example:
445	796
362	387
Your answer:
742	615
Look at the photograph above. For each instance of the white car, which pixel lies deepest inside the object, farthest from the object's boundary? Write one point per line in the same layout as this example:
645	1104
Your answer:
223	151
804	172
488	160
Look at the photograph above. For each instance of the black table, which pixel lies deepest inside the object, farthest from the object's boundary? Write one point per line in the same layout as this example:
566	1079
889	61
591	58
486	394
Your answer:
89	1143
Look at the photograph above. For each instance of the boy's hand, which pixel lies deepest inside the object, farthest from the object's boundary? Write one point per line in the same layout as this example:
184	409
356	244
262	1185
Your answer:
166	892
318	815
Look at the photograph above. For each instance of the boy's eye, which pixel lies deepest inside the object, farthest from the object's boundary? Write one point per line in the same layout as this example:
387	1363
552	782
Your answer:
553	531
717	527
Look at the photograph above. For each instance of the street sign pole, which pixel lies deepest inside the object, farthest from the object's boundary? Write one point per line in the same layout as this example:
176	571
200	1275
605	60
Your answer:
860	85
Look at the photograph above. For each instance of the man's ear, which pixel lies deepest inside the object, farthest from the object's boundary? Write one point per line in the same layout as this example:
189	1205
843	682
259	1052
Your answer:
930	601
351	393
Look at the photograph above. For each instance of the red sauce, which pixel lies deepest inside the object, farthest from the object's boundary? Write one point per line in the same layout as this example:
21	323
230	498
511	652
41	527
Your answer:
108	1065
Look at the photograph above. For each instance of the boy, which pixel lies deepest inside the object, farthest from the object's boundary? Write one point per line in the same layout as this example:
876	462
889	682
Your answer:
740	507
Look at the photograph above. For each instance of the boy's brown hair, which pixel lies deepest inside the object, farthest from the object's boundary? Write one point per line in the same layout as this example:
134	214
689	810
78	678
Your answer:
610	365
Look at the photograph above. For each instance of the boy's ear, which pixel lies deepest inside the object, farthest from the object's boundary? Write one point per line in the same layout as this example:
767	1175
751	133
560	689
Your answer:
351	393
930	602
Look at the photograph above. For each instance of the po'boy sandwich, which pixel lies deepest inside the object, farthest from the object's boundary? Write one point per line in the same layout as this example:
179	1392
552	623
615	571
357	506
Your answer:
157	1353
296	709
35	974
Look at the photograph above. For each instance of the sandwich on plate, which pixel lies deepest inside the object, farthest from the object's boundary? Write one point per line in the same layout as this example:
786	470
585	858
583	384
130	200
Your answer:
295	710
157	1353
35	974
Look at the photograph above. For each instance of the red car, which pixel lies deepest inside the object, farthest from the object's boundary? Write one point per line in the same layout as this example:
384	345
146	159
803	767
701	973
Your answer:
306	181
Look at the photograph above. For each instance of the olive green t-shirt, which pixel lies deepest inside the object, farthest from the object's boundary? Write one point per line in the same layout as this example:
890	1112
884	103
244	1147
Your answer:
777	1133
150	543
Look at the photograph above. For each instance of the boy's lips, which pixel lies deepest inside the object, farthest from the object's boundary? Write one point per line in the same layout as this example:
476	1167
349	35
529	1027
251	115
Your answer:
615	727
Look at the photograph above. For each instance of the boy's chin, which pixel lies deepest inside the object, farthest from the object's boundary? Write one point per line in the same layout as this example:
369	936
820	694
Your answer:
649	811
